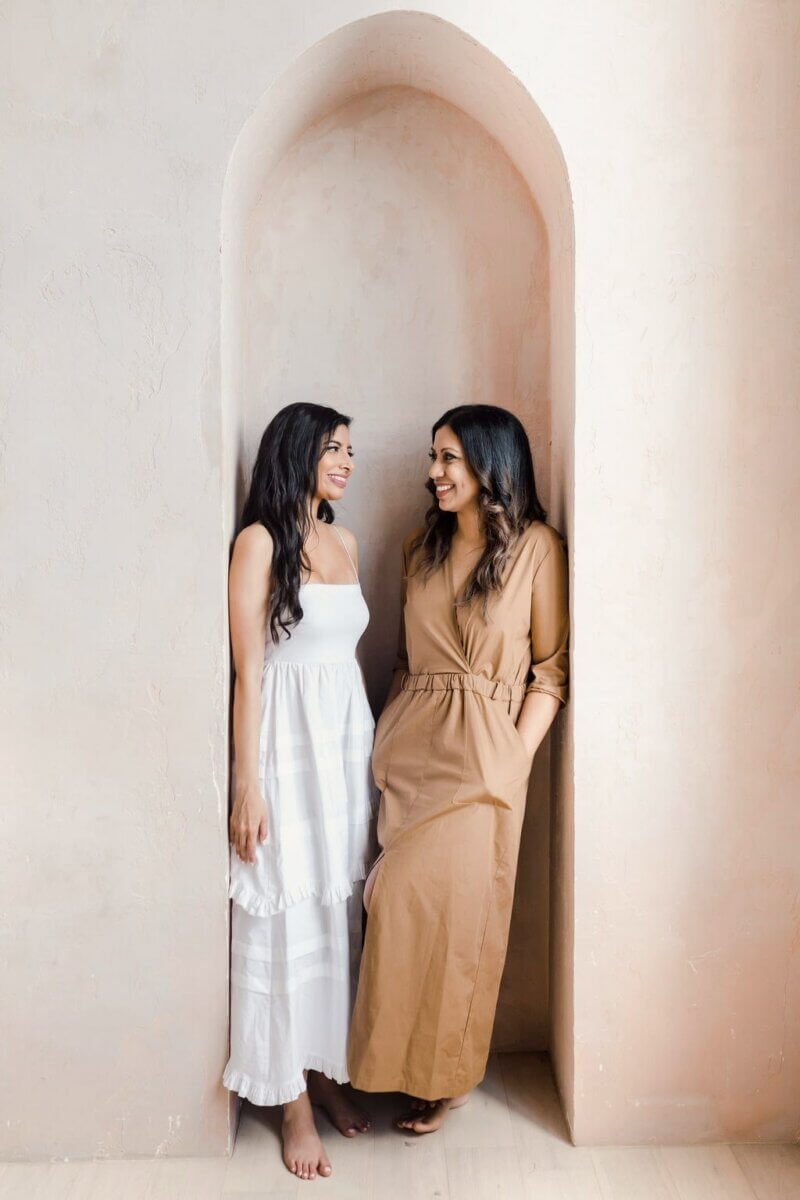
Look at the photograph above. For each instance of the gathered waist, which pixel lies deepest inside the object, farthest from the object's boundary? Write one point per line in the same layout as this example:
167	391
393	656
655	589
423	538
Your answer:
314	659
463	681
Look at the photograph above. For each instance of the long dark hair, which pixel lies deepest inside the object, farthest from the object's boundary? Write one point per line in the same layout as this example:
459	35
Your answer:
498	453
284	477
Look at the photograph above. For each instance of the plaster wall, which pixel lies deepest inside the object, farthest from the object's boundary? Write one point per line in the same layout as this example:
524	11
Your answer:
687	575
675	964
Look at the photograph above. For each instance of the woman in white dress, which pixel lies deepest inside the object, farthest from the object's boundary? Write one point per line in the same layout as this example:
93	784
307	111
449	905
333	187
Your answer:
301	829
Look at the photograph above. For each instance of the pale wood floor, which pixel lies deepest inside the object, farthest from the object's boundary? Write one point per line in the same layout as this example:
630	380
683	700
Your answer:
509	1142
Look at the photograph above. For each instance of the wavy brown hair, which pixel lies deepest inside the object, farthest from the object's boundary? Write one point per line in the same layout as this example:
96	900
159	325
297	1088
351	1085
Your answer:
498	453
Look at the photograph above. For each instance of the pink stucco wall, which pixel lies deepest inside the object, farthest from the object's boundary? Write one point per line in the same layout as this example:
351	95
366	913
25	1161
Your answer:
673	420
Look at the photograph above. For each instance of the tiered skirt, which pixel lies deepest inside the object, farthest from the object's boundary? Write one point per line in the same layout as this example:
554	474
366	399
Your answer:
296	916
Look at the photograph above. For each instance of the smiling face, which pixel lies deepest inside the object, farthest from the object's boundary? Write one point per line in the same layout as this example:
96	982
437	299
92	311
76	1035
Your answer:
335	465
456	486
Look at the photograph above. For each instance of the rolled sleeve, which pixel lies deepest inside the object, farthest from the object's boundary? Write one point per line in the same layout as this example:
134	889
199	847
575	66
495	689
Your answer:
550	625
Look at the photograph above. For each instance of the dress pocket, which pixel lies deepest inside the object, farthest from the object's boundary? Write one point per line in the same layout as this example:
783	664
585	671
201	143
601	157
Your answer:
497	762
384	737
521	748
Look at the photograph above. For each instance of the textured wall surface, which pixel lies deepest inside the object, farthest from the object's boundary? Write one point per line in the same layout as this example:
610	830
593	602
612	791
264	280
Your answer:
676	962
113	950
686	568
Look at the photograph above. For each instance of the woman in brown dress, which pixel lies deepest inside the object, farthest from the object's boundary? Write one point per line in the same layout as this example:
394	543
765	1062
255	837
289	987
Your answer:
482	672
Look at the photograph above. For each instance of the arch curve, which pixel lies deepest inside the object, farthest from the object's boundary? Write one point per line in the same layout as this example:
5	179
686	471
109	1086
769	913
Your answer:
434	65
420	51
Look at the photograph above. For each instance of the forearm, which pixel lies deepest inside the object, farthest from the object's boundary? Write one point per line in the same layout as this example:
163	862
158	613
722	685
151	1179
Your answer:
536	716
247	729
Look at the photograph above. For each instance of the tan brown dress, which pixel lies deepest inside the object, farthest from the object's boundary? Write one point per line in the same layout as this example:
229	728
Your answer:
453	773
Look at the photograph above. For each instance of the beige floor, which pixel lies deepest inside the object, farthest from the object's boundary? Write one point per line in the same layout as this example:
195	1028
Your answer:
508	1143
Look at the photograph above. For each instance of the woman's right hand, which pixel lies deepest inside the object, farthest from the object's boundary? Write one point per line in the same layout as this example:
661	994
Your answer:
248	822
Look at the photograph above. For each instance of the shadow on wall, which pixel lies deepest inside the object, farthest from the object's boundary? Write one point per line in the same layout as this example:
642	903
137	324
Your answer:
397	239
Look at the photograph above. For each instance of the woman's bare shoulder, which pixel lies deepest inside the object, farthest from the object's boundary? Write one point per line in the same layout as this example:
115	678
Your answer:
253	546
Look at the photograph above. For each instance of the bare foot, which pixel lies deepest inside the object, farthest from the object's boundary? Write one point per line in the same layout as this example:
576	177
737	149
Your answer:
428	1115
345	1115
303	1151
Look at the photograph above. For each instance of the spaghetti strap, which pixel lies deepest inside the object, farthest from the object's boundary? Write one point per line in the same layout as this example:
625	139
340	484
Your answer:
347	552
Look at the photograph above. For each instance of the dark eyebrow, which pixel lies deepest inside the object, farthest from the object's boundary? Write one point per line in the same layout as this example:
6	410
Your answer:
449	449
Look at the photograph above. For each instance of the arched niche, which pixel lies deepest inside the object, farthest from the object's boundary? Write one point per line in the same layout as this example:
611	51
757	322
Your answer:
397	238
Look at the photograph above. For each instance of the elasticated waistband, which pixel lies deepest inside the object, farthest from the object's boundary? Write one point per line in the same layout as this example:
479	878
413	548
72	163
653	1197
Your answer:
460	681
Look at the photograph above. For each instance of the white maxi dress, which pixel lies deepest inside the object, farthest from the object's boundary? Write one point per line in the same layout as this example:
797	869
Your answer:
296	914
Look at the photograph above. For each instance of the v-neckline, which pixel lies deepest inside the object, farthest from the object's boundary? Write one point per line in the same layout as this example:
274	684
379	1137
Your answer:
450	577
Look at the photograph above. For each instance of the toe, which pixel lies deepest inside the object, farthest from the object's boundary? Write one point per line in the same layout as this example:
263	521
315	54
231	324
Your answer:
408	1121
